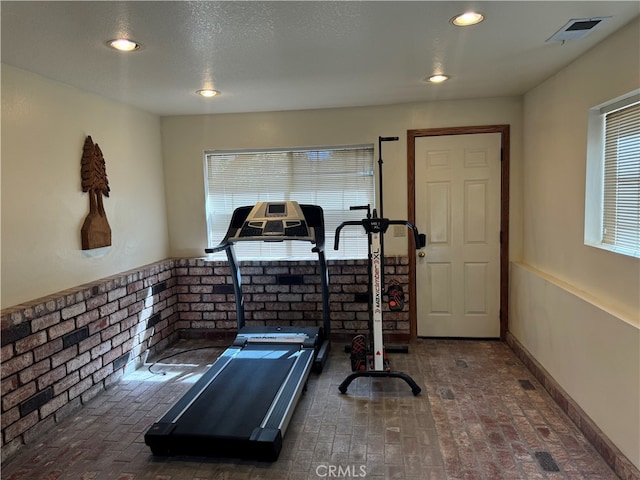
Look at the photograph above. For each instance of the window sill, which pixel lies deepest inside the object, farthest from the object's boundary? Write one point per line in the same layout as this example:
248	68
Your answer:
612	248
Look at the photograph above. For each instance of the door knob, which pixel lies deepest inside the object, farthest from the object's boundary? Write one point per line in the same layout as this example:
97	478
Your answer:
422	254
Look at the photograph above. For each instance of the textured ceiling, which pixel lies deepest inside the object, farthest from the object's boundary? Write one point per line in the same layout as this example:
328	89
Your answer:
265	56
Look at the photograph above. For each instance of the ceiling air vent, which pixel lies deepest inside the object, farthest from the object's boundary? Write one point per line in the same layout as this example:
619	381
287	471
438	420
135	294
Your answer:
577	28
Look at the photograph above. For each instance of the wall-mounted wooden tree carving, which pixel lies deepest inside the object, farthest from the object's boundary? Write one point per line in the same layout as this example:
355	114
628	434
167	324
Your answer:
96	231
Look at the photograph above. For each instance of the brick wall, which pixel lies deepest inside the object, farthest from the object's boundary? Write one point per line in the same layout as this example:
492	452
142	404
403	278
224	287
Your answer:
61	351
283	293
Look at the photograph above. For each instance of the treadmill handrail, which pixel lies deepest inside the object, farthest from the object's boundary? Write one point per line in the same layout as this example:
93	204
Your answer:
218	248
236	278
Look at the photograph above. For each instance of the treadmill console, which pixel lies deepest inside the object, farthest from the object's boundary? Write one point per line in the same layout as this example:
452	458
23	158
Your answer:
274	222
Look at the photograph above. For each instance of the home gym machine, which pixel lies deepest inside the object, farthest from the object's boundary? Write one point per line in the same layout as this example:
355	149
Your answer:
242	405
371	360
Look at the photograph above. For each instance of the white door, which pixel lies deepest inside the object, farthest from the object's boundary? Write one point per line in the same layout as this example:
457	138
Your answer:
458	207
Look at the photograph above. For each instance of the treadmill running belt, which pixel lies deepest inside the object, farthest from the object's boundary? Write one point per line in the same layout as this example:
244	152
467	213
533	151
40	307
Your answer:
242	395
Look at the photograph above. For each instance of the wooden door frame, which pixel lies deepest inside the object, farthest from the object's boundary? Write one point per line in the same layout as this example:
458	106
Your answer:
504	132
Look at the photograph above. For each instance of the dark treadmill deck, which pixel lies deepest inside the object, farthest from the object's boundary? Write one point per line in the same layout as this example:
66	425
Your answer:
239	408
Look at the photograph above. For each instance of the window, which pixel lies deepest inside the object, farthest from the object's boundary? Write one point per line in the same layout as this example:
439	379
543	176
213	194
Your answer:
612	217
335	178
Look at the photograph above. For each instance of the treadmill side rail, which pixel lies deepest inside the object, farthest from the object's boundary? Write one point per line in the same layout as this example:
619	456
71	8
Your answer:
281	410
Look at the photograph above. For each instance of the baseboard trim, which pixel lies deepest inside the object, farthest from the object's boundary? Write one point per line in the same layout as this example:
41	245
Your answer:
618	462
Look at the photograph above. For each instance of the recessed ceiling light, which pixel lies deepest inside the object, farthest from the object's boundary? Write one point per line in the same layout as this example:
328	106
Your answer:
207	92
467	18
123	44
438	78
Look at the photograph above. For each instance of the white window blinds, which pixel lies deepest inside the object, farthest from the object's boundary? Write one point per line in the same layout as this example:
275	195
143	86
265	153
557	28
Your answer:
334	178
621	199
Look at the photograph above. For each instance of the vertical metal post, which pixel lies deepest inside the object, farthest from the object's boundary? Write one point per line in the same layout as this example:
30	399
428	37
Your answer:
237	286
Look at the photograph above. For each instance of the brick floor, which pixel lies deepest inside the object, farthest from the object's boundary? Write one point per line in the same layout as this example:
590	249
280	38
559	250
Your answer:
481	415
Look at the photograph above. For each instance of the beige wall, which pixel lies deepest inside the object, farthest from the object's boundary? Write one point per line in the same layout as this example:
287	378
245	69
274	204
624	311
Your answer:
587	350
555	171
44	125
186	138
577	308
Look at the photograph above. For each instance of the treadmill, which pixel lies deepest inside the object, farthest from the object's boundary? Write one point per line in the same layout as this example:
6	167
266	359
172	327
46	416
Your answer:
242	405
